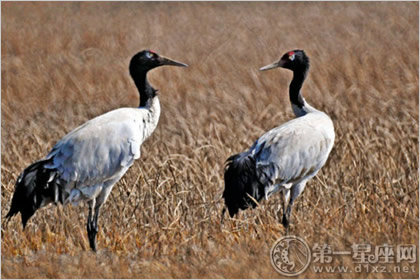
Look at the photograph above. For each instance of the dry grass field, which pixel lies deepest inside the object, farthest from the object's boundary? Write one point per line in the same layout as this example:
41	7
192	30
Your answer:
64	63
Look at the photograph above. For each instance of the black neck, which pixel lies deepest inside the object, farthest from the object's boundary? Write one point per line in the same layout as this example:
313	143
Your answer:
146	91
295	86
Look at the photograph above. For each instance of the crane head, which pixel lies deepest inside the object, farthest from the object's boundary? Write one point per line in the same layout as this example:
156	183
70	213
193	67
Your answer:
292	60
148	59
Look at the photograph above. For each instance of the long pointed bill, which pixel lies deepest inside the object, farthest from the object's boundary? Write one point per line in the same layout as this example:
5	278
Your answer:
167	61
273	65
270	66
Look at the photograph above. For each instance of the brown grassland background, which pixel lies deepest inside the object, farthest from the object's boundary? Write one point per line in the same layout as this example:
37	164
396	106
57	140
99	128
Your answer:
64	63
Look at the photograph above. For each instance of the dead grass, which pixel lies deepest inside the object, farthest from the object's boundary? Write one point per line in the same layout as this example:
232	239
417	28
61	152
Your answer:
64	63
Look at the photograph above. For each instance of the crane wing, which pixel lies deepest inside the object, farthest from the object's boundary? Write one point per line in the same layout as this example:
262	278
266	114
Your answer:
98	149
294	150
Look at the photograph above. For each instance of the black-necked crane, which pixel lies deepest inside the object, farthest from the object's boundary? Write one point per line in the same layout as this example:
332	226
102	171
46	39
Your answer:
87	162
284	158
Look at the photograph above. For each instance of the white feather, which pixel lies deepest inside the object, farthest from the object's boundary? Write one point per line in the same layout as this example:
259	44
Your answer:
102	149
294	151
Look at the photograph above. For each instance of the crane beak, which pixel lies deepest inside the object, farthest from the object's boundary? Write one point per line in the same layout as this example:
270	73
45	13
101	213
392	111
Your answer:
272	65
167	61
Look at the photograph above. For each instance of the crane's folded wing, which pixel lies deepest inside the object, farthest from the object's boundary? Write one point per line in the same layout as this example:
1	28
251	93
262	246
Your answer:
292	151
96	150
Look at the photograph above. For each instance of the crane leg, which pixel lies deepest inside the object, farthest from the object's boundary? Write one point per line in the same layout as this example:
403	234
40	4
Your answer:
95	204
286	218
223	215
296	190
92	224
286	198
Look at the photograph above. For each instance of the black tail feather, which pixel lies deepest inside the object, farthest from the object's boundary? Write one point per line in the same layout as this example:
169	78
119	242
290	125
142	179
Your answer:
241	180
35	187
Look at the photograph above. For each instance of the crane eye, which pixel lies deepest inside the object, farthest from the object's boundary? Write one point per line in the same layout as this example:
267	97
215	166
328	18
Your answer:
151	54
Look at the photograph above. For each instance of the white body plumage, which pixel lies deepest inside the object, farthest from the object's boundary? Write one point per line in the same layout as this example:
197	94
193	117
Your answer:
95	155
295	151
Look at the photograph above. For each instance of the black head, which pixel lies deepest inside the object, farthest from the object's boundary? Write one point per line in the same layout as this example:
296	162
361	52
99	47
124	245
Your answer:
295	60
147	60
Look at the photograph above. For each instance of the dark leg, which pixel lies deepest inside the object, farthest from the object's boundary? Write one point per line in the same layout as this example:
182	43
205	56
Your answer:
296	190
92	225
286	209
96	204
223	215
286	217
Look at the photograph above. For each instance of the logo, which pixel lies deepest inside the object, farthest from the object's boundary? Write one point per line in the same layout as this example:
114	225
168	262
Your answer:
290	255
